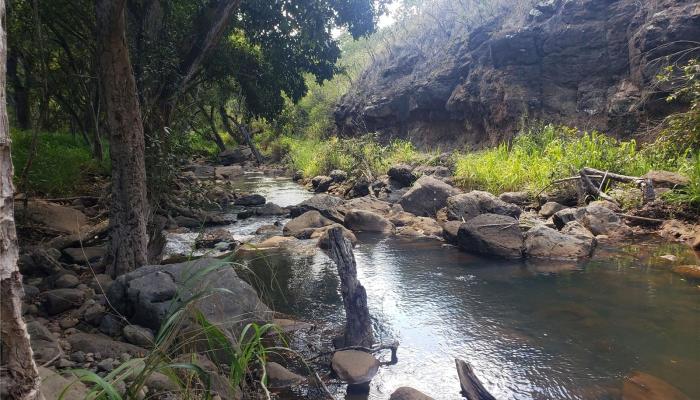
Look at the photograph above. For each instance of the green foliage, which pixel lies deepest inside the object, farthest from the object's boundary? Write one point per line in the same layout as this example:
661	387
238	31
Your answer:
691	194
61	166
541	155
357	156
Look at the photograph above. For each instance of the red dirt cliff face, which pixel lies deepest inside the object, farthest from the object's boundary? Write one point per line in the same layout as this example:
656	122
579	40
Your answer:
588	63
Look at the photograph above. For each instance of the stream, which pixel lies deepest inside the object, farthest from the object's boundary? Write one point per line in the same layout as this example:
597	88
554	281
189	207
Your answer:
551	330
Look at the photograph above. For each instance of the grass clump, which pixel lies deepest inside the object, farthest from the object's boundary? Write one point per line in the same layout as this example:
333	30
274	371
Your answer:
60	167
543	154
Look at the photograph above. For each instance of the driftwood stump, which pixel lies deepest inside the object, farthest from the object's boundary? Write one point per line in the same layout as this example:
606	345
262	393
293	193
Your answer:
472	389
358	324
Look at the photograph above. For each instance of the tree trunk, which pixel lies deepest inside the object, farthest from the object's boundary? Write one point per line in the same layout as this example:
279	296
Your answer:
129	208
19	374
20	93
214	132
358	324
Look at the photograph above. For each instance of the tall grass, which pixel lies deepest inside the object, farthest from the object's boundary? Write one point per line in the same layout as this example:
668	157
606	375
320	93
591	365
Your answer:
540	155
61	165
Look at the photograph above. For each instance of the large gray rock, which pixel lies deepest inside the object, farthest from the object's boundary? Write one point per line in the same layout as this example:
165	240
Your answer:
326	204
354	366
146	295
237	155
550	208
250	200
602	221
465	206
408	393
138	335
493	235
367	221
545	242
53	217
83	255
304	225
427	196
321	183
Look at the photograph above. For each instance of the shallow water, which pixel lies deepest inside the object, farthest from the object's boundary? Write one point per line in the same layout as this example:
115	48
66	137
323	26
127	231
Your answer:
531	330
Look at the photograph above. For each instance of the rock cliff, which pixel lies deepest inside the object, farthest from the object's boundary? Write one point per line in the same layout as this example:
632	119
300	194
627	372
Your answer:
588	63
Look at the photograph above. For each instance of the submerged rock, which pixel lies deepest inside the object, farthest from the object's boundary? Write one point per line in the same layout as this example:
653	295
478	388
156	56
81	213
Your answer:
354	366
408	393
544	242
642	386
427	196
688	271
492	234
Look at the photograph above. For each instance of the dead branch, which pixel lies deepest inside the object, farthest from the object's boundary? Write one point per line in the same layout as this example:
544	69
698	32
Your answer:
592	190
472	389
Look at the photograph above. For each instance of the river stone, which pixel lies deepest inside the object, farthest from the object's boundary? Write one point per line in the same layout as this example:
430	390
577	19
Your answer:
427	196
402	173
145	295
492	234
321	183
52	386
111	325
53	217
519	198
601	221
338	175
104	345
550	208
138	335
574	228
208	239
280	377
187	222
44	344
667	179
326	204
366	203
687	271
100	283
465	206
545	242
367	221
270	209
57	301
236	155
83	255
408	393
563	217
303	226
354	366
250	200
642	386
324	239
228	172
66	280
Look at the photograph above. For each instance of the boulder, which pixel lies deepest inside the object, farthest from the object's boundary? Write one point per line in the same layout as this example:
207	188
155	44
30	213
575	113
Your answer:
250	200
492	234
235	156
408	393
601	221
354	366
574	228
519	198
111	325
66	280
302	226
427	196
228	172
326	204
338	175
550	208
54	386
84	255
188	222
563	217
280	377
100	283
298	175
450	231
465	206
420	226
642	386
138	335
359	188
667	179
321	183
367	221
270	209
688	271
203	171
44	344
53	217
437	171
366	203
108	348
146	295
545	242
57	301
403	174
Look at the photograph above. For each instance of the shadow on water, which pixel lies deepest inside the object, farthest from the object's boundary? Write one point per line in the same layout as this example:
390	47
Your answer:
532	330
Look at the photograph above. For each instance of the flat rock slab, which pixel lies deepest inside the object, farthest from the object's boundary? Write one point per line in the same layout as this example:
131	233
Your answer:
54	217
354	367
492	235
108	348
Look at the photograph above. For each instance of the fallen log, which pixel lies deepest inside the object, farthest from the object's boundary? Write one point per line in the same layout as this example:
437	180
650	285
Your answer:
358	324
82	238
472	389
590	188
